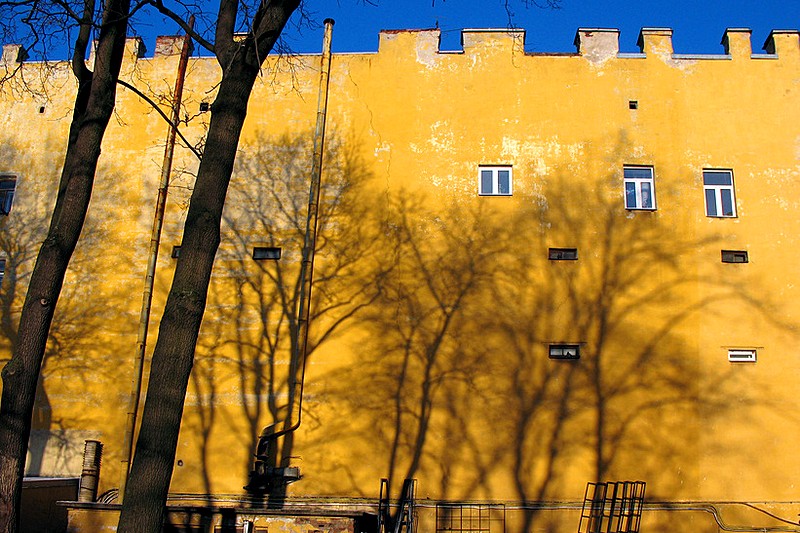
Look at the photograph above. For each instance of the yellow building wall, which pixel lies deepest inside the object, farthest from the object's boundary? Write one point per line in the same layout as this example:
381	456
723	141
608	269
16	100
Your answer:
434	306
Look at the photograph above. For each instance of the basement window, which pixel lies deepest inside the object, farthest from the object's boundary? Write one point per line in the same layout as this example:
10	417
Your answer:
263	253
562	254
565	351
742	355
735	256
176	252
494	180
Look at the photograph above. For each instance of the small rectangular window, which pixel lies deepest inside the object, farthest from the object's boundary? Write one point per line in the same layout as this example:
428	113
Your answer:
718	189
565	351
261	253
742	355
735	256
8	184
633	104
562	254
495	181
639	188
2	270
176	252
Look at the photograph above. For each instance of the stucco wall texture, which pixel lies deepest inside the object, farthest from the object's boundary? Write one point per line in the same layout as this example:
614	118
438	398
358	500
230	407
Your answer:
435	302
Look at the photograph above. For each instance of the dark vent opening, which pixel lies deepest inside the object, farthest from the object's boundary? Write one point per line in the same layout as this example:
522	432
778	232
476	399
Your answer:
735	256
262	253
562	254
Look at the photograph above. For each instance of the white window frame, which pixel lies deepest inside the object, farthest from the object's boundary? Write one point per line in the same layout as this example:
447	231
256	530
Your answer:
7	193
495	171
637	183
742	355
717	190
564	351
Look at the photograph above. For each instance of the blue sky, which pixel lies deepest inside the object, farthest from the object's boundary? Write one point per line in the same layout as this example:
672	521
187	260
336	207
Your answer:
698	25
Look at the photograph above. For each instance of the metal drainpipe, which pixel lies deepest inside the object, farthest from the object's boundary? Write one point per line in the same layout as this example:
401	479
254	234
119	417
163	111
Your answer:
298	361
155	240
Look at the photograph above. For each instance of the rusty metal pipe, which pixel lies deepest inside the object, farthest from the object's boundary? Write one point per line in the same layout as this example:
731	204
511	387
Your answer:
155	240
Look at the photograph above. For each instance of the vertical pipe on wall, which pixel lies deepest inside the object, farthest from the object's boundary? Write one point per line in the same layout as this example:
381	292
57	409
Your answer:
155	240
299	354
298	361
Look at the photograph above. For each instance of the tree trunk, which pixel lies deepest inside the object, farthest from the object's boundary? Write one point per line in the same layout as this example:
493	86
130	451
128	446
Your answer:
173	356
94	105
145	497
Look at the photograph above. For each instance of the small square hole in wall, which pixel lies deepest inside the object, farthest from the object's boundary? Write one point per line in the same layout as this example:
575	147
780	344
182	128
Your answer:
262	253
176	252
742	355
735	256
204	107
565	351
41	109
633	104
562	254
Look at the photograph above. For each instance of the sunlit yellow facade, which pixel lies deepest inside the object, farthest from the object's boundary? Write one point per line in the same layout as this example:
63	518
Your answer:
451	179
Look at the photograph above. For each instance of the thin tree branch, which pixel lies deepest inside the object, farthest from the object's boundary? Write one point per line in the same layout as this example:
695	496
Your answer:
147	99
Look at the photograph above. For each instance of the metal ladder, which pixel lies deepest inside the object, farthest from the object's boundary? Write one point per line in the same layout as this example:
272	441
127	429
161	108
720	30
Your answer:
404	519
612	507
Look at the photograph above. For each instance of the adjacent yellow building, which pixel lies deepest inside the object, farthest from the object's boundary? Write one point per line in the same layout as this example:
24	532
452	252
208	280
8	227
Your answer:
534	271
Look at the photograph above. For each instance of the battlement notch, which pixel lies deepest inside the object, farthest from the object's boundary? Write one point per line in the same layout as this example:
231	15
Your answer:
597	44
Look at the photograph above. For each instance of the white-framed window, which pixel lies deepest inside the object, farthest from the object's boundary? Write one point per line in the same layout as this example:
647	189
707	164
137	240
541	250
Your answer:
640	188
742	355
8	183
494	180
718	189
564	351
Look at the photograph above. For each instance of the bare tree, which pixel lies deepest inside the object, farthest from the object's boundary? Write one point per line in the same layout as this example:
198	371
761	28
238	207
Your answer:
94	104
72	342
243	36
240	58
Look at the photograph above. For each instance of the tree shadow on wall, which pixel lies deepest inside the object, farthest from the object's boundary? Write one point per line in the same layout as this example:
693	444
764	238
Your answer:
631	406
455	383
71	356
249	335
450	309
